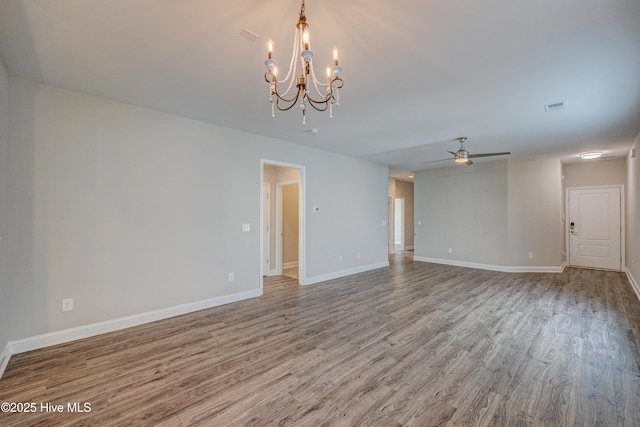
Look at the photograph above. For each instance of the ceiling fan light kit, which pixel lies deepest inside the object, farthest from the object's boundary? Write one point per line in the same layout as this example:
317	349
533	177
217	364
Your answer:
308	89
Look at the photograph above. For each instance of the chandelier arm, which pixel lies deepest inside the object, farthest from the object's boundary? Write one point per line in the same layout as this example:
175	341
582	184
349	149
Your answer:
283	99
314	104
293	102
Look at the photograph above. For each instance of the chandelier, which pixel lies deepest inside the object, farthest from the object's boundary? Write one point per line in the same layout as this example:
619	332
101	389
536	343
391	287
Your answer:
306	88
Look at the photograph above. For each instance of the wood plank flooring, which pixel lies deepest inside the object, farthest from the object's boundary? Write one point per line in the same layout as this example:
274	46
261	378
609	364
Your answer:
413	344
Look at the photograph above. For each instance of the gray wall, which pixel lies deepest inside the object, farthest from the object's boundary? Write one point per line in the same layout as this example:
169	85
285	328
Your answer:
633	215
535	212
595	172
129	210
463	208
491	213
4	168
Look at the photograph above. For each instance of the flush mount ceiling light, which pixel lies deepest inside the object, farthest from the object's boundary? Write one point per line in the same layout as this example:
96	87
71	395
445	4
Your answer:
308	89
591	155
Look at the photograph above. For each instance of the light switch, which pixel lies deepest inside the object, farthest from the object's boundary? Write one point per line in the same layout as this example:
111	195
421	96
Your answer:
246	227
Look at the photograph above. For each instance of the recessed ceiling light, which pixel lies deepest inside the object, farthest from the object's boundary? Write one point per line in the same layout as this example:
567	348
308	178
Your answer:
591	155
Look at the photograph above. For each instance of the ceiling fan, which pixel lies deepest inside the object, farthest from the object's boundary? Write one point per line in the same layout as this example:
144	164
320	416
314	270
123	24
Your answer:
463	156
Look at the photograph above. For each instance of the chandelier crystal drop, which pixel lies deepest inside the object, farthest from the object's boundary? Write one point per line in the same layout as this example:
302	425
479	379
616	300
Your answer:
301	86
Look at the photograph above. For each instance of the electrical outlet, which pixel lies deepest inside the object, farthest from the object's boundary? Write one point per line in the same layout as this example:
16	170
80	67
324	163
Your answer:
67	304
450	250
340	258
530	255
358	255
246	227
231	277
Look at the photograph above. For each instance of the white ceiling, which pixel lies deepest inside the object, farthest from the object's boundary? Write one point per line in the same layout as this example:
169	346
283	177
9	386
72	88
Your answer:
417	74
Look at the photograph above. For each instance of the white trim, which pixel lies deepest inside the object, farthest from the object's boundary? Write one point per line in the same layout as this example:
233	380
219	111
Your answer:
4	358
291	264
272	272
72	334
634	283
493	267
408	248
265	244
343	273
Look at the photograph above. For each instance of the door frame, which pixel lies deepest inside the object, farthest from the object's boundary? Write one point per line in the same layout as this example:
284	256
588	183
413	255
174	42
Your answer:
302	220
266	234
567	227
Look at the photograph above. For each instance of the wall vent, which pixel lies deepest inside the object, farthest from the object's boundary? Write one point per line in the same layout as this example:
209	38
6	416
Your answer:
555	106
633	153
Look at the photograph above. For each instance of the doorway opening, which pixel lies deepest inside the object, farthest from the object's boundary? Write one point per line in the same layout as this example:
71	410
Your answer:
282	247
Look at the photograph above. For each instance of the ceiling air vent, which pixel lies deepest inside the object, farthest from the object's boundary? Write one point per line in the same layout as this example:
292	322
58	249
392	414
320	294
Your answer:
248	34
555	106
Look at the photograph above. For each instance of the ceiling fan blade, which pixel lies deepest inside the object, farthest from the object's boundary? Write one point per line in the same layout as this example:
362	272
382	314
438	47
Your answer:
506	153
435	161
455	154
468	162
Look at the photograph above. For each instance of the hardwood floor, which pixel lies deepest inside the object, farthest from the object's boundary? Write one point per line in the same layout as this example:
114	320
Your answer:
413	344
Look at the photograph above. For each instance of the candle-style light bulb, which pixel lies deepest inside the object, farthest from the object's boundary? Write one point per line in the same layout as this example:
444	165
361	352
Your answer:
335	56
270	48
305	39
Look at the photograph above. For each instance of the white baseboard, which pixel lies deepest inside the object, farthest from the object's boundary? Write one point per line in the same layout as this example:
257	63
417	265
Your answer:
634	283
343	273
493	267
67	335
4	358
290	264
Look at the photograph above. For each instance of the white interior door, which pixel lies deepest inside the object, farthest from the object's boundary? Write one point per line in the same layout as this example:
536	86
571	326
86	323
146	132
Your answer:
595	228
391	224
266	229
398	226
